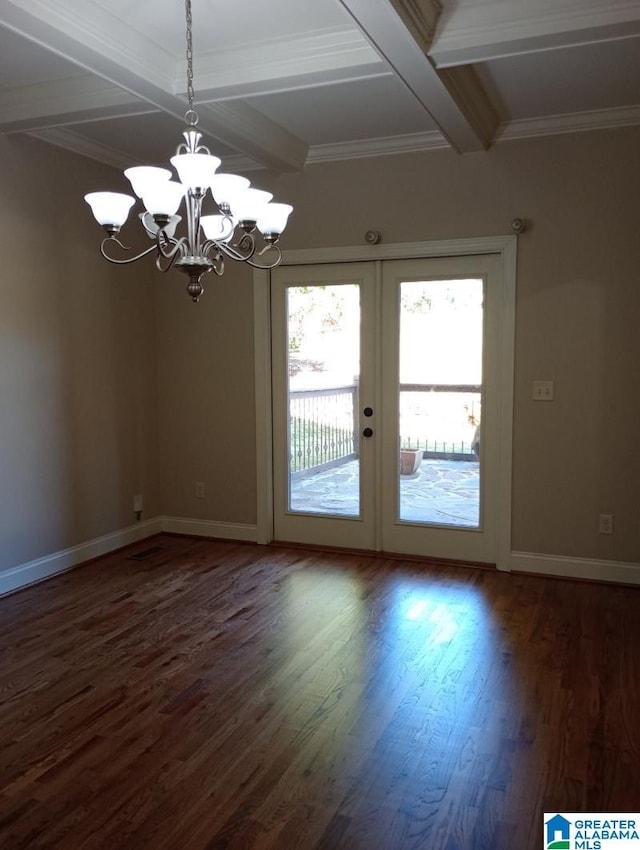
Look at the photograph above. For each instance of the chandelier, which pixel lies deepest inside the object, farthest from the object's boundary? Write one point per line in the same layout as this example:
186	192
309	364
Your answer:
246	226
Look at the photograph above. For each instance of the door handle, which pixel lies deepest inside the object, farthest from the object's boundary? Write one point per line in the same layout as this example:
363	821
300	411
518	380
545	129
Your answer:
368	432
368	411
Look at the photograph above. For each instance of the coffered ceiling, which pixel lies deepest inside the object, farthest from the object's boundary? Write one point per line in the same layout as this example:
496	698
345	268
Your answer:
283	83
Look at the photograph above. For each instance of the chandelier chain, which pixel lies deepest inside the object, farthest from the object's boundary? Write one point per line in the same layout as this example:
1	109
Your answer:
191	116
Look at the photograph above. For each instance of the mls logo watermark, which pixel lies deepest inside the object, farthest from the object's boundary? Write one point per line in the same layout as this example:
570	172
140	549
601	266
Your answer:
591	831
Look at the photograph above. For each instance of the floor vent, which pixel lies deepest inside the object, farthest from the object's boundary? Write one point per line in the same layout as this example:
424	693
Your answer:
145	553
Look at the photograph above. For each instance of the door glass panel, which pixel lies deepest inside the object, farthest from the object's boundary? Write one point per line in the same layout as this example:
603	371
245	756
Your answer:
323	368
440	401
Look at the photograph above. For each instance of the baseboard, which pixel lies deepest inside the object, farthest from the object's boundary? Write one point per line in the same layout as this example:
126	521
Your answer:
618	572
66	559
209	528
59	562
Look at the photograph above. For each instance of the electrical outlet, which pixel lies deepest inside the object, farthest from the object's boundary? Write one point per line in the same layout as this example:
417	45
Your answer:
543	390
138	504
605	525
199	489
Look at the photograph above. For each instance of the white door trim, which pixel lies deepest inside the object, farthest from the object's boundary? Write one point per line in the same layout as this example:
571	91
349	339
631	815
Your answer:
505	246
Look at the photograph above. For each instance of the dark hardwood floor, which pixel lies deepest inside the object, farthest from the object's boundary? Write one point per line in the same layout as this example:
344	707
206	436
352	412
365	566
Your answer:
220	695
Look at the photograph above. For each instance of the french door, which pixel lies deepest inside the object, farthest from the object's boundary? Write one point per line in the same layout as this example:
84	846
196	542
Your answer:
386	405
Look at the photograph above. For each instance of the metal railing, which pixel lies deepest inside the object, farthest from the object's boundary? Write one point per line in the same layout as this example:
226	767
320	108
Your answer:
323	423
441	419
322	427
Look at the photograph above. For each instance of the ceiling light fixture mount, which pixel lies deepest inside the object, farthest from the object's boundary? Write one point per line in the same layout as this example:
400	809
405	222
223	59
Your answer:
246	227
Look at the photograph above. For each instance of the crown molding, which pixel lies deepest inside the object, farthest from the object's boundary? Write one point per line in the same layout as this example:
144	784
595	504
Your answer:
86	31
498	28
574	122
386	146
528	128
70	101
238	163
434	141
421	18
106	155
76	143
296	63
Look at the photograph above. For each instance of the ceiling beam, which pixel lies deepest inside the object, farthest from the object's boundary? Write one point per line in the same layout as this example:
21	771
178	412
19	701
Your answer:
58	103
110	50
292	65
401	31
496	29
71	141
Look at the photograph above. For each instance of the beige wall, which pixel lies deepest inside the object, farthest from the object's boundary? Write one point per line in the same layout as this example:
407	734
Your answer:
578	312
206	398
82	344
77	362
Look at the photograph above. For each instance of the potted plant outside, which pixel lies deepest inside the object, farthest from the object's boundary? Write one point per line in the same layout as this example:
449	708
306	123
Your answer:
410	460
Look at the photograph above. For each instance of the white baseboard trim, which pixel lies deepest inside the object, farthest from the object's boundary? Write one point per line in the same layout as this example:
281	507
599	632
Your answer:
618	572
60	562
210	528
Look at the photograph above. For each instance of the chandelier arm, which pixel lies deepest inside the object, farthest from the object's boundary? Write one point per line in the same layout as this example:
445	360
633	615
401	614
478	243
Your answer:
232	252
227	219
177	245
218	264
235	251
216	243
124	248
213	245
267	266
208	245
165	268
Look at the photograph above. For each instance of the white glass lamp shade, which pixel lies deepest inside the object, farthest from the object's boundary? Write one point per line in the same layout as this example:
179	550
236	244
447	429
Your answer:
142	176
248	205
195	169
163	198
110	208
219	228
273	218
225	188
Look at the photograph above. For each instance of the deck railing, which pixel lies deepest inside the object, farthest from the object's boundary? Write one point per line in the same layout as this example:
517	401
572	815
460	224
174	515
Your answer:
441	419
324	423
322	426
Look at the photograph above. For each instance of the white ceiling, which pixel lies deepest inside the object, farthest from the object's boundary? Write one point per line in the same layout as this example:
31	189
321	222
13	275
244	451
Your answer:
283	83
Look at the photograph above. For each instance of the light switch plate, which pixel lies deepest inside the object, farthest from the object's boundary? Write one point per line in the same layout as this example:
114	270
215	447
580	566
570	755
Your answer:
543	390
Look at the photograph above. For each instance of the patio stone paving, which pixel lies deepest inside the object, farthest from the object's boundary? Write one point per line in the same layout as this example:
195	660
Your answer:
441	492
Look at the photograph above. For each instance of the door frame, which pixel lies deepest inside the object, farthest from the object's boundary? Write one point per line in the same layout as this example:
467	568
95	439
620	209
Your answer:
504	246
